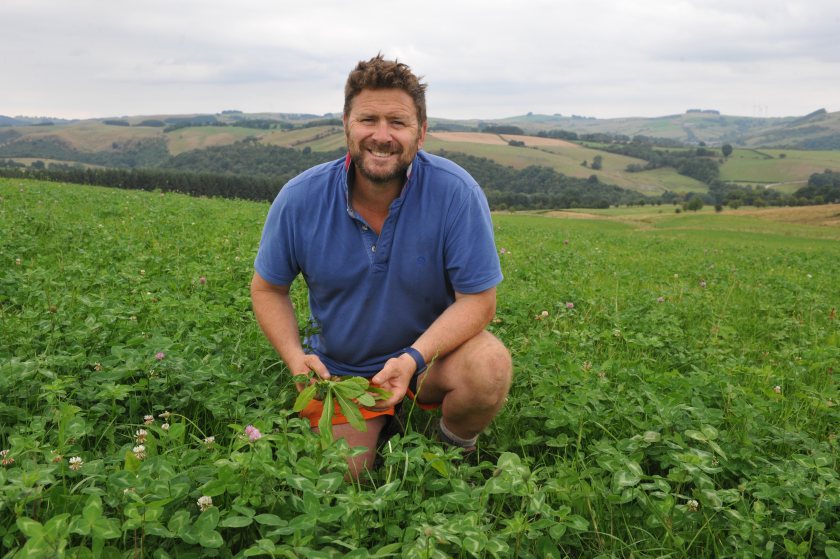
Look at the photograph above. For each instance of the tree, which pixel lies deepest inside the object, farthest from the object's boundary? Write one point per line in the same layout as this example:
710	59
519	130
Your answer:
597	162
694	204
726	149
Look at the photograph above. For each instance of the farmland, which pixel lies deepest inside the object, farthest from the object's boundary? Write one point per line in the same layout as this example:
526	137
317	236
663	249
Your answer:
675	393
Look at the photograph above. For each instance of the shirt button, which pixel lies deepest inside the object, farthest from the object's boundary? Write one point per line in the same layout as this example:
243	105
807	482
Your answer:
364	227
373	248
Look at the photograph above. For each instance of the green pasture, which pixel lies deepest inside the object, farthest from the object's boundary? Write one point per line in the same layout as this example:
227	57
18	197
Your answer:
568	161
765	166
675	394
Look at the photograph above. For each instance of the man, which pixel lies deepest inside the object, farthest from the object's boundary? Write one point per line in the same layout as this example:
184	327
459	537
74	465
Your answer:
396	248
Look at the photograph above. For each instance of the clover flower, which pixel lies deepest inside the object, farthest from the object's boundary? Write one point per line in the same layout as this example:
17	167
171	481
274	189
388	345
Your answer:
140	435
692	505
204	502
660	299
570	305
503	250
777	389
703	283
253	433
76	462
164	415
202	280
165	426
139	452
160	355
148	419
5	459
17	261
208	441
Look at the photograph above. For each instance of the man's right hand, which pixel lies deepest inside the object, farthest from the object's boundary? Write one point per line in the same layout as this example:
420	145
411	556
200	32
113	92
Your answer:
308	362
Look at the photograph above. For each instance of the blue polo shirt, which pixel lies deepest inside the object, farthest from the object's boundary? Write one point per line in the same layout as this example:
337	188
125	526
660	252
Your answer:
371	296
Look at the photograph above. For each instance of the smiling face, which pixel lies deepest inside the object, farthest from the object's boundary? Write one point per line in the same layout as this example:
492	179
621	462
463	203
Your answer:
383	135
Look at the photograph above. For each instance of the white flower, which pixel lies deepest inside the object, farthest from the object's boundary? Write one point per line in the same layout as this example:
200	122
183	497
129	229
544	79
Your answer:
165	426
209	440
139	452
692	505
777	389
204	502
164	415
76	462
140	436
148	419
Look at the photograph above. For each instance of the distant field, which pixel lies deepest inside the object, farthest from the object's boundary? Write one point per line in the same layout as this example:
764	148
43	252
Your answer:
812	221
564	157
91	135
767	167
200	137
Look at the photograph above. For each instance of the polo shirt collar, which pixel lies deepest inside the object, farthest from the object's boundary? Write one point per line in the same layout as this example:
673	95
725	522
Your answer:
348	179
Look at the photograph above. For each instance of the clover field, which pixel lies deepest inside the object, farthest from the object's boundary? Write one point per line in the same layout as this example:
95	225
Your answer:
675	395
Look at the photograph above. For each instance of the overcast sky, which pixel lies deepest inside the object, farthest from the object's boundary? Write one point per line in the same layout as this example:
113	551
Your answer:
488	59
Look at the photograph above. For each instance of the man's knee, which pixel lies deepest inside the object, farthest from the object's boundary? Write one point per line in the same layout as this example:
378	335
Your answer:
492	371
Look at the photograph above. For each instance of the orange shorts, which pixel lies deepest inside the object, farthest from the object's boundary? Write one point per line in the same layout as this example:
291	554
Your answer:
313	410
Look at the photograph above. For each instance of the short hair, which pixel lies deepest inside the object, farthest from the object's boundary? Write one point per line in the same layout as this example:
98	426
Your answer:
378	73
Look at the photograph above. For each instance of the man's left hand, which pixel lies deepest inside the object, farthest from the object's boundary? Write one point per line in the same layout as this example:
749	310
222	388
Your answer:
394	377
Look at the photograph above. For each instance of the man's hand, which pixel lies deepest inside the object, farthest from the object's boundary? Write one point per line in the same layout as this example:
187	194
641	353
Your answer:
307	363
394	377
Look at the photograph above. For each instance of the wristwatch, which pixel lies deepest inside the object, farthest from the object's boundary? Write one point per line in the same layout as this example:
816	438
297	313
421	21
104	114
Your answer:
418	359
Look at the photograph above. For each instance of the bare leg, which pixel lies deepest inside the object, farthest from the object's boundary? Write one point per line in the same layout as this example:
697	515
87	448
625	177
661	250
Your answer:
368	439
471	383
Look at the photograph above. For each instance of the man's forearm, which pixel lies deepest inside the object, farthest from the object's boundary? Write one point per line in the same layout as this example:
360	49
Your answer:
276	316
461	321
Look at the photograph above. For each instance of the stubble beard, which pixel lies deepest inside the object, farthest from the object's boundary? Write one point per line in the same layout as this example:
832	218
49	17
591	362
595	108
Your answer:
384	176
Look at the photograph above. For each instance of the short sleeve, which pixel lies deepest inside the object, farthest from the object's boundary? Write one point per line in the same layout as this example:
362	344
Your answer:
276	259
472	262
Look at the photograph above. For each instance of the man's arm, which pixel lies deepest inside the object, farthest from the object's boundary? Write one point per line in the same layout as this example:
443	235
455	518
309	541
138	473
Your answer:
276	316
461	321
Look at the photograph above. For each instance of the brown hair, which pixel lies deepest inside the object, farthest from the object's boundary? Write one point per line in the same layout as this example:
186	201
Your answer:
378	73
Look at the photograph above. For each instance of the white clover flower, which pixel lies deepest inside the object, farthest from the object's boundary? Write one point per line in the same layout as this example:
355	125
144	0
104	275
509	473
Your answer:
208	441
139	452
76	462
148	419
165	426
692	505
777	389
164	415
140	436
204	502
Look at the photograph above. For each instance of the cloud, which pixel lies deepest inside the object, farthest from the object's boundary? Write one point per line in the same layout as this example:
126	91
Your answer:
481	59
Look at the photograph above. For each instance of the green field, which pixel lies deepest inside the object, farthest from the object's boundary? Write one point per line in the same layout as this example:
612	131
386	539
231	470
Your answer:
675	394
785	170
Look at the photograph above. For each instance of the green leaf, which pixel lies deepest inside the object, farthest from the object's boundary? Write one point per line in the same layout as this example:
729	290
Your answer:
351	412
132	464
207	520
236	522
832	552
304	397
366	399
211	539
270	520
106	528
179	521
325	423
30	528
93	509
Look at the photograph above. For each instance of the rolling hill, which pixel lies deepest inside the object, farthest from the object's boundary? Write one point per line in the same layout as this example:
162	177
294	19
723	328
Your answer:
766	151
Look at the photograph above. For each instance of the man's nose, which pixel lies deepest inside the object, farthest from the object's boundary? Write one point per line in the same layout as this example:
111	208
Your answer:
382	133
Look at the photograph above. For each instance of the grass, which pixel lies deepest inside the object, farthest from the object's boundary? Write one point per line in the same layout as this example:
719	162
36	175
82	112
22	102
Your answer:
675	394
764	166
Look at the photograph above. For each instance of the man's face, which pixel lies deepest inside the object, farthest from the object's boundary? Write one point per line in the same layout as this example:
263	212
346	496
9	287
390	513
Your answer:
383	134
